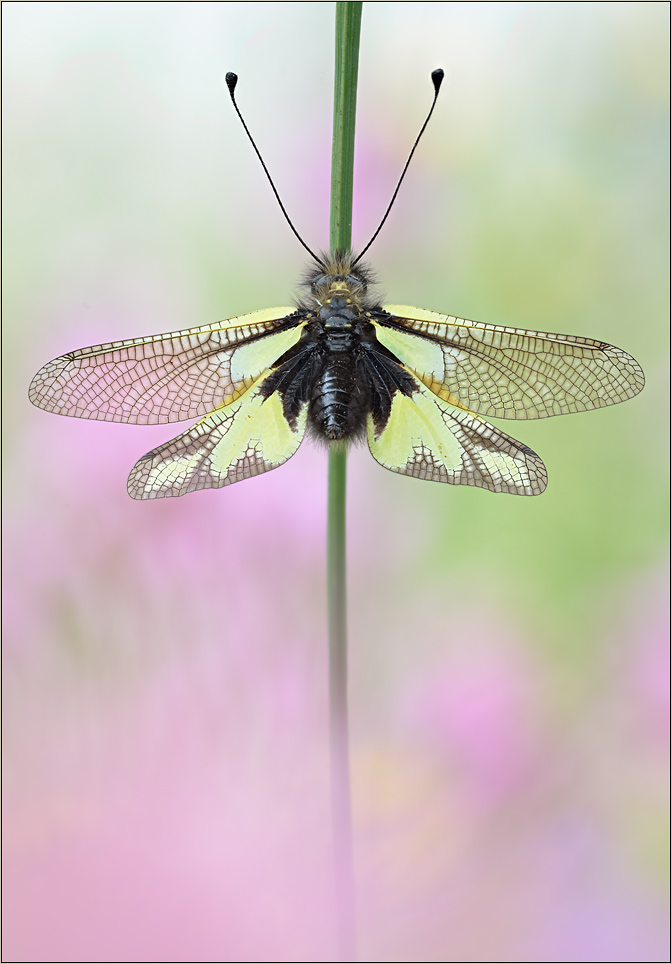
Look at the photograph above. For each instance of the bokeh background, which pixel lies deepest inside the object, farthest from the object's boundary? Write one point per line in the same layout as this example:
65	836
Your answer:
166	771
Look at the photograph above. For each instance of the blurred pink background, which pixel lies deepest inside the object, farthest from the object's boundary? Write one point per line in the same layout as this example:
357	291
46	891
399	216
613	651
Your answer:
165	693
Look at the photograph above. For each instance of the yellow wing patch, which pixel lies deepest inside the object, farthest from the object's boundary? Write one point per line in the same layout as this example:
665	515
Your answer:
428	438
164	378
508	372
245	437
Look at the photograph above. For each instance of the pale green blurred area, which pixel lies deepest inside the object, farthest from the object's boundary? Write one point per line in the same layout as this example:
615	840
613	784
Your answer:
537	199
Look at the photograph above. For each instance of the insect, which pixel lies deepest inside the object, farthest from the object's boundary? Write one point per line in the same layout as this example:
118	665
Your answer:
338	365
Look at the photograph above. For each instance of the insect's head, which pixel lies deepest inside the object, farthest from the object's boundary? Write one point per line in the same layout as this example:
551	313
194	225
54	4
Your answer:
335	274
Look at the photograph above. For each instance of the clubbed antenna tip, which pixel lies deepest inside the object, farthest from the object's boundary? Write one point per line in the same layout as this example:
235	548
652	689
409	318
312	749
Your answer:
231	81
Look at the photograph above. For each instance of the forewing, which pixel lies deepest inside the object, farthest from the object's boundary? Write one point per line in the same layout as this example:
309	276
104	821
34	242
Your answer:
508	372
166	378
246	437
431	439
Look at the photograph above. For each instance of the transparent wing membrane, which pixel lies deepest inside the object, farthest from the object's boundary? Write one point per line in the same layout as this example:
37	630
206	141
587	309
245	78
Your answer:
164	378
508	372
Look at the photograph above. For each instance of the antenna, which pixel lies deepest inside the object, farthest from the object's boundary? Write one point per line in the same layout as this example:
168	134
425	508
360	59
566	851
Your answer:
437	77
231	81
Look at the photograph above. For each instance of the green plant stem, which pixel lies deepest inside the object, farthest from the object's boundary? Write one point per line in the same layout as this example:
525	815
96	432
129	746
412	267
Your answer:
348	22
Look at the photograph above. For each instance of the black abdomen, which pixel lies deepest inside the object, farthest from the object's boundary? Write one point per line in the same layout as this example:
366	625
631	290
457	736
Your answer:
338	403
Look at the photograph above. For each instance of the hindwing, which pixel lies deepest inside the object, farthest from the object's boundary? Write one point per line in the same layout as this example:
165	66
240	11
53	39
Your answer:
429	438
242	438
